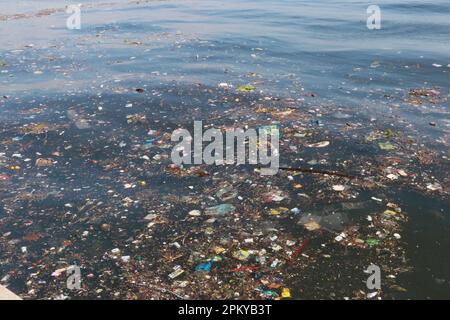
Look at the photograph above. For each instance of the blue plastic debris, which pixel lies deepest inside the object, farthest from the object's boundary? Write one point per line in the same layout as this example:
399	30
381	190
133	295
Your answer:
204	267
147	144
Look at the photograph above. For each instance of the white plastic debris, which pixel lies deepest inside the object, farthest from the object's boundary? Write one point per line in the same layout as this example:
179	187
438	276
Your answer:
338	187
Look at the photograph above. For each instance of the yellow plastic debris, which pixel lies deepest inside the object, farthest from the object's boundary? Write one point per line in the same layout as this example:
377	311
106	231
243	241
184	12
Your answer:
286	293
278	211
390	213
241	255
218	250
311	226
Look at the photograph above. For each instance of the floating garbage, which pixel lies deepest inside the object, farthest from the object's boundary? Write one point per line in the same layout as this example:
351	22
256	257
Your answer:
386	146
241	254
338	187
246	88
372	242
194	213
220	210
320	144
204	267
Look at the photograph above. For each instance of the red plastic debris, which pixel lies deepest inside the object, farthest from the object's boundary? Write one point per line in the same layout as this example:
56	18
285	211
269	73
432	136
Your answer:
299	250
244	268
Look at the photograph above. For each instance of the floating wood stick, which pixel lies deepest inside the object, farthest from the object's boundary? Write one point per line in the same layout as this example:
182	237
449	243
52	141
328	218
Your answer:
309	170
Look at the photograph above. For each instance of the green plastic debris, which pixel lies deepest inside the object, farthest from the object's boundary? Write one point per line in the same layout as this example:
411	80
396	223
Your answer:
246	88
386	146
388	133
372	242
216	258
